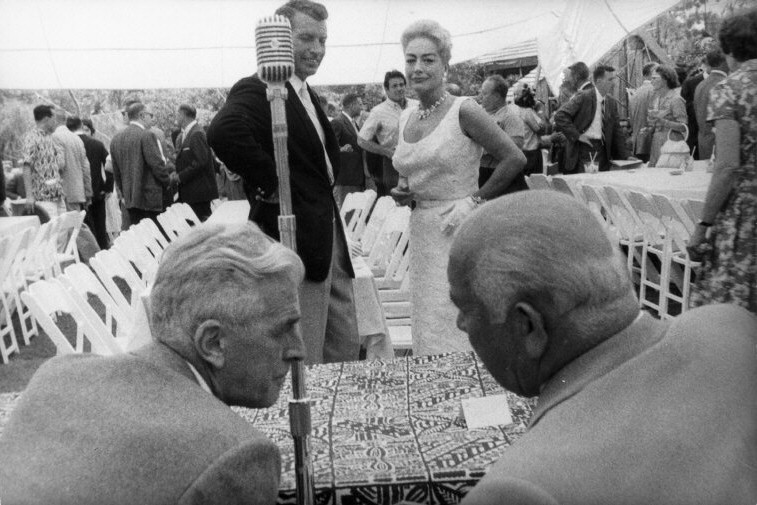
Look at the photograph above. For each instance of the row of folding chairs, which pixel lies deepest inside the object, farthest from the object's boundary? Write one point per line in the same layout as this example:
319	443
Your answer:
382	229
93	308
27	257
653	229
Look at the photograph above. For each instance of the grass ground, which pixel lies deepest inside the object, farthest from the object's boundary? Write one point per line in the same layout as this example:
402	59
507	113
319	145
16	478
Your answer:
16	374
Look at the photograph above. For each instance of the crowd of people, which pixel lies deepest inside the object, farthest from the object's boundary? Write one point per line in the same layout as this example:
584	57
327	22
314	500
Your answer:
631	409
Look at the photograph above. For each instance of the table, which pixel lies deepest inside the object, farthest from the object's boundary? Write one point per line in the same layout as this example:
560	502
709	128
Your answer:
692	185
387	430
17	224
371	323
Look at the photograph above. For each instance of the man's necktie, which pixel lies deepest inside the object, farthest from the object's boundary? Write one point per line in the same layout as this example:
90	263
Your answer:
310	108
602	122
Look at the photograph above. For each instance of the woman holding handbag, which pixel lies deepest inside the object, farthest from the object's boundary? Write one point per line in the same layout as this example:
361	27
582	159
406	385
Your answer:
667	112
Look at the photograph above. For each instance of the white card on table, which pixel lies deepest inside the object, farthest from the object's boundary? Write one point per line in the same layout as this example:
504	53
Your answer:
486	411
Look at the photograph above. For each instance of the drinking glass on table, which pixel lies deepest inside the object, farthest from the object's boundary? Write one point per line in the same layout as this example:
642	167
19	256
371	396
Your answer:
591	167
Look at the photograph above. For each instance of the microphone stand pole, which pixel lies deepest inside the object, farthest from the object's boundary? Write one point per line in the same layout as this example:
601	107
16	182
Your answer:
299	404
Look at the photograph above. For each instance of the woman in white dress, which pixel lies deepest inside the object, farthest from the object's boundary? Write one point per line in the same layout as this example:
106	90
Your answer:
438	154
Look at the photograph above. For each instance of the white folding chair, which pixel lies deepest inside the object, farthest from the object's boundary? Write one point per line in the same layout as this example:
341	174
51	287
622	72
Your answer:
185	212
15	282
172	223
8	342
388	246
538	181
48	301
40	260
368	202
628	228
560	184
110	267
148	228
69	225
694	208
130	246
116	323
375	222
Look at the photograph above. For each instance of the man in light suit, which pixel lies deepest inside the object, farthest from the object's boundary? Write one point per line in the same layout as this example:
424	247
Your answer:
194	164
139	169
240	134
631	409
352	176
154	426
75	175
717	68
590	124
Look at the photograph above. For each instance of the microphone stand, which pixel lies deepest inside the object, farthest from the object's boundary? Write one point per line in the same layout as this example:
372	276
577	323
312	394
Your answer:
299	404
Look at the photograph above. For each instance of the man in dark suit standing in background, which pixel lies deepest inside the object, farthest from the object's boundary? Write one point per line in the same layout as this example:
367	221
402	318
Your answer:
240	134
139	169
194	164
352	176
589	121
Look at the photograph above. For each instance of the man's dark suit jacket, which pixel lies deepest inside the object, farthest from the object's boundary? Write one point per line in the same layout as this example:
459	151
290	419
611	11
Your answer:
194	164
131	428
575	117
138	169
706	140
351	171
241	136
97	155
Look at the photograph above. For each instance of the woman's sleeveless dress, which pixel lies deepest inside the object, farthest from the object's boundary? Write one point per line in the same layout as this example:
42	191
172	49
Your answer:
440	169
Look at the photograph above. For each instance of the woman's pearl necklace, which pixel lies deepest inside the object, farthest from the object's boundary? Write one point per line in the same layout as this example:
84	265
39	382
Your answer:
423	113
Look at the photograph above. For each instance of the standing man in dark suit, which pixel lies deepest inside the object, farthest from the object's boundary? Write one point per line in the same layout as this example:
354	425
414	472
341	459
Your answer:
717	68
590	124
154	426
352	176
139	170
240	134
194	164
101	183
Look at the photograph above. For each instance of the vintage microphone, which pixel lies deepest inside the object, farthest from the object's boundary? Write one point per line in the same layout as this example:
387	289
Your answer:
275	56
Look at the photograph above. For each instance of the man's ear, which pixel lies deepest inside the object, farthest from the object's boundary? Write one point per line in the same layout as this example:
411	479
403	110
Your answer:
209	342
535	338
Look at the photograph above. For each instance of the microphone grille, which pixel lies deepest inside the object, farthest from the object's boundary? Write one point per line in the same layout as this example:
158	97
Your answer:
274	49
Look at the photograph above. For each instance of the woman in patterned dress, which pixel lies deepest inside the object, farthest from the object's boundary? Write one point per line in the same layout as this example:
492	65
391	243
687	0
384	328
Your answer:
667	110
438	154
726	237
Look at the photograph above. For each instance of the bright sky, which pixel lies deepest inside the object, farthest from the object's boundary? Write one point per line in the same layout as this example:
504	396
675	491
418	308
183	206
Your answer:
209	43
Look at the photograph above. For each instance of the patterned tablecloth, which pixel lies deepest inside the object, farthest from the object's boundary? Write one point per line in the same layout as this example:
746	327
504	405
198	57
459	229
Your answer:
388	431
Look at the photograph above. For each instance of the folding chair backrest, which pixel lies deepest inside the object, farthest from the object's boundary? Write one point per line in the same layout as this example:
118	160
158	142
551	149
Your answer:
375	222
623	216
48	301
185	212
369	200
130	246
538	181
146	239
694	208
673	214
109	267
560	184
389	237
649	214
149	227
352	209
69	224
79	278
40	259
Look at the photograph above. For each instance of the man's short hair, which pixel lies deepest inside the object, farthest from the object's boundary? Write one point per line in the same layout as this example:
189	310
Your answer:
134	110
393	74
73	123
309	8
88	123
188	110
349	99
42	111
601	70
738	35
580	71
715	58
213	272
500	85
647	70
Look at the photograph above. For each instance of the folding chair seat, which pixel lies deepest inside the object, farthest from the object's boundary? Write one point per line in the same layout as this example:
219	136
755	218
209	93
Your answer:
119	278
62	321
96	303
538	181
375	222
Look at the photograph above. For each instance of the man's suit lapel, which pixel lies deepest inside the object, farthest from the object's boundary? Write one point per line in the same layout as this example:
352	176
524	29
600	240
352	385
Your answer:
185	138
332	147
310	132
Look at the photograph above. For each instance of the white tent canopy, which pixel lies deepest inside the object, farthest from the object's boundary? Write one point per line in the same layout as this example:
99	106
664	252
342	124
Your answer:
136	44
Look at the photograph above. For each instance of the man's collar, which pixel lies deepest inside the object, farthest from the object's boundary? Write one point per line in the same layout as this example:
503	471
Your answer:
398	104
135	123
644	332
347	116
187	128
716	71
584	85
600	98
200	380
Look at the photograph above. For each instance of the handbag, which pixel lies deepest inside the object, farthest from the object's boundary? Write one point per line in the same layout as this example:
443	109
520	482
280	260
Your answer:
644	140
674	153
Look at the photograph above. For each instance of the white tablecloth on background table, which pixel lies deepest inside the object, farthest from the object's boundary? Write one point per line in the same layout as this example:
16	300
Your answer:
371	323
17	224
691	185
